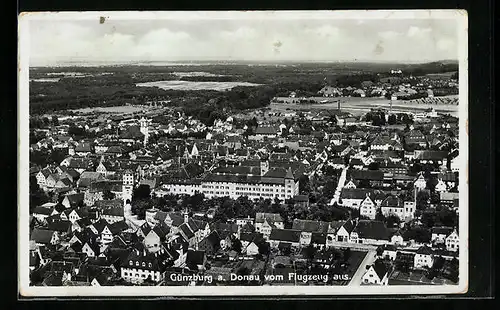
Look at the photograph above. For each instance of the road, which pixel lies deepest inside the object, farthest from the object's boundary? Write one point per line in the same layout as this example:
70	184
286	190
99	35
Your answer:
370	257
340	185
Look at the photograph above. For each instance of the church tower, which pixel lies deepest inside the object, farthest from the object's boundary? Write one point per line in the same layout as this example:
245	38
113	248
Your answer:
145	129
128	186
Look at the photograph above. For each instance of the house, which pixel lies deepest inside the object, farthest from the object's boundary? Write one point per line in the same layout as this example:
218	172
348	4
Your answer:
44	236
318	240
372	178
333	228
73	200
89	177
84	149
337	163
356	163
430	157
423	258
440	186
103	230
370	232
393	205
62	227
210	244
397	238
111	210
452	241
154	237
353	197
263	222
344	232
141	265
284	236
301	200
41	213
91	249
307	228
439	234
389	251
420	183
378	274
42	175
368	208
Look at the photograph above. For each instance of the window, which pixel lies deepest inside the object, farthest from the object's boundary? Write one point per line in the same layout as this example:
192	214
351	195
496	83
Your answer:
143	264
137	263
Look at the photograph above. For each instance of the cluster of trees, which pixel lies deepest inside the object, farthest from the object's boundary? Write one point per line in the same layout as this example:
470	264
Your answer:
43	122
376	117
37	195
43	157
440	217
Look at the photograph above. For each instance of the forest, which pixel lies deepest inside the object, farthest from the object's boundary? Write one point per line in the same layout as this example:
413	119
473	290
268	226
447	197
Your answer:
116	85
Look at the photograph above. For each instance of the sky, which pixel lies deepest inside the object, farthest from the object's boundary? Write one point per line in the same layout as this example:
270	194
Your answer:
54	41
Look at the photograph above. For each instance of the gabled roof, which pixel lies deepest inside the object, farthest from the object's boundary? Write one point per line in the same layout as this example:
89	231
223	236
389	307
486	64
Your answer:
424	250
287	235
61	226
310	225
381	269
42	235
349	226
392	201
195	257
368	229
75	198
441	230
269	217
213	239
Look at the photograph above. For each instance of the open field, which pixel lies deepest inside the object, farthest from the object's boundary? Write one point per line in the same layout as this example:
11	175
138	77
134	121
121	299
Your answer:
117	109
189	85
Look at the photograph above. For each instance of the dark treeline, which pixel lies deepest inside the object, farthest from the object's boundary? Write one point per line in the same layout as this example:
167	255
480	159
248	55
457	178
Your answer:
118	85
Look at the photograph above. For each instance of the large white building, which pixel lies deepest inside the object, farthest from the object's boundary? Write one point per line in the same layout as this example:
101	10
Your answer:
270	183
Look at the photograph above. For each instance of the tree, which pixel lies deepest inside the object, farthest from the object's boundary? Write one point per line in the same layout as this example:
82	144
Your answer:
264	248
380	251
108	195
374	166
379	216
76	131
55	120
139	207
304	185
141	192
392	119
392	221
346	254
309	252
329	189
236	245
37	195
422	200
419	234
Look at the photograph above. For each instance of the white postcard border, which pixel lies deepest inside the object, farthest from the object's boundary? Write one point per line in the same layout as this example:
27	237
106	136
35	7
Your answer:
459	16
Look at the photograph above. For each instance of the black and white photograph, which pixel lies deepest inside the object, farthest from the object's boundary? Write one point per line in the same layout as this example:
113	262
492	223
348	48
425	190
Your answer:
243	153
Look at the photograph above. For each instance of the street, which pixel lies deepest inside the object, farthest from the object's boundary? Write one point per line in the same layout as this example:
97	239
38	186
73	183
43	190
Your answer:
340	185
368	260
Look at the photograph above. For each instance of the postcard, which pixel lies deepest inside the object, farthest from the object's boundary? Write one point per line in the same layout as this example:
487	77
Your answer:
231	153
